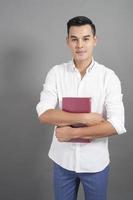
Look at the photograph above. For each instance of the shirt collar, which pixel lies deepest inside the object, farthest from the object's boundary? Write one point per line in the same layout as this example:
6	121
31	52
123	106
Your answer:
74	68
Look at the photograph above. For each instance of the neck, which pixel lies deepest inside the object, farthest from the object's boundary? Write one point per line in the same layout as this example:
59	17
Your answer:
82	65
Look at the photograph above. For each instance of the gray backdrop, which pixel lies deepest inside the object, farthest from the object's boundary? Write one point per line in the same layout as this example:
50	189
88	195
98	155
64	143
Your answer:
32	40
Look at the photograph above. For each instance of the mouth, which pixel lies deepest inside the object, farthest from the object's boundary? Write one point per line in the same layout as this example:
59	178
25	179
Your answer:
80	52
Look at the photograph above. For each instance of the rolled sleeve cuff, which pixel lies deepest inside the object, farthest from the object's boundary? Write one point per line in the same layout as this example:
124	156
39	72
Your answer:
41	108
119	127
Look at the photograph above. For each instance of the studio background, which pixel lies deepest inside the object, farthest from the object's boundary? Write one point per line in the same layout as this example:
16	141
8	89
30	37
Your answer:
32	40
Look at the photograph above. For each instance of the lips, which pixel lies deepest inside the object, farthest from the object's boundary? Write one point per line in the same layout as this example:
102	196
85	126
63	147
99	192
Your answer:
80	52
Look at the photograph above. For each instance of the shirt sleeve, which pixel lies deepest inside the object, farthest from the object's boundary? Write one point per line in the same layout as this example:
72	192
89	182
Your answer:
114	104
48	96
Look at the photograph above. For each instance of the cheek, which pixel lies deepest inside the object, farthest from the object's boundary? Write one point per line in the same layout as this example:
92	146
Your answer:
72	47
91	45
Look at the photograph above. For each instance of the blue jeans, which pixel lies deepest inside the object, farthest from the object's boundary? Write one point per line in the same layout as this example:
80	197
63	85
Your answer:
66	184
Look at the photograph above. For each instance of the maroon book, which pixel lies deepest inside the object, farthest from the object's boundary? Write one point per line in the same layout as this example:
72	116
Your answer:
77	105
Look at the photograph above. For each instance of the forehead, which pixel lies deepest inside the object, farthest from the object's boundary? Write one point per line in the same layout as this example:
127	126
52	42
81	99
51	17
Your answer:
80	31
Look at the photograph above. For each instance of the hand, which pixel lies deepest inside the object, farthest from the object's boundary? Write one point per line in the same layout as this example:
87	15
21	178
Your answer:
93	119
64	134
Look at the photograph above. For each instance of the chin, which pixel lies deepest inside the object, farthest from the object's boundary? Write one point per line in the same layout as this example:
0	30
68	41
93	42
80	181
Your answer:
81	59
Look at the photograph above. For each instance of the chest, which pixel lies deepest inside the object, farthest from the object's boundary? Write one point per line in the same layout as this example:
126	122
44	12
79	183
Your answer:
75	85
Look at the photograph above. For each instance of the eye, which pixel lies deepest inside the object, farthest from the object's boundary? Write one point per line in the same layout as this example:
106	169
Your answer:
74	39
86	39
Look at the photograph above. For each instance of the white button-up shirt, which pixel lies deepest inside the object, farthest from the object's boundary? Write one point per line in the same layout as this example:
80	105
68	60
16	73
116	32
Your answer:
103	86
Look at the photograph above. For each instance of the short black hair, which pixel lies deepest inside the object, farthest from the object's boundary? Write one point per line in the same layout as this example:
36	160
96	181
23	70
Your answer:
79	21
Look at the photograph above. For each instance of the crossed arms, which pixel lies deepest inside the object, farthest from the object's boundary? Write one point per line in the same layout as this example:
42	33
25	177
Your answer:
96	127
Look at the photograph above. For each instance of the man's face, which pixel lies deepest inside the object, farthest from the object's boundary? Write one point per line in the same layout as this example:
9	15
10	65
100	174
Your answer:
81	42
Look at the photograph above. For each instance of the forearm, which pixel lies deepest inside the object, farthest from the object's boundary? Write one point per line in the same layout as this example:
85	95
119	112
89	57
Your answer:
62	118
103	129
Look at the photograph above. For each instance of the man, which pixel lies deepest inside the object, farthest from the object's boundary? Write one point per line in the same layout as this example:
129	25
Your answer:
86	163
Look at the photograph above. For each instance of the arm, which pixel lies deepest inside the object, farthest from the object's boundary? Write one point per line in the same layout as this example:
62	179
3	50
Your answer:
62	118
103	129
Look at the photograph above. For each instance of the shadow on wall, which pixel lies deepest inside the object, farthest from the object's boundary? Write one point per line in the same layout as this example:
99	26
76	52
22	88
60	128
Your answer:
22	140
14	61
17	67
15	80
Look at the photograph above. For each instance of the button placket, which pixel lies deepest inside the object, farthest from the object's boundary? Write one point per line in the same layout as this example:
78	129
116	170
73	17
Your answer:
78	79
79	84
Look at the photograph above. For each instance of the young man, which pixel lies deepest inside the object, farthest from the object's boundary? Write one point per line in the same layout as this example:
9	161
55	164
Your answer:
87	163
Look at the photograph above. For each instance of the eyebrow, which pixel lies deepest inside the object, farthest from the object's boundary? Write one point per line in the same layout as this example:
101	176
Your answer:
73	36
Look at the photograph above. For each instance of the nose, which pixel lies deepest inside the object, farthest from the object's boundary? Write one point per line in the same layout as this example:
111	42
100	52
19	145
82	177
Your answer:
80	44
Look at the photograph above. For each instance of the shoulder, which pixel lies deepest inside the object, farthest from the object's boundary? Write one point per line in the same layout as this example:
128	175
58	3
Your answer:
57	71
60	67
106	72
102	68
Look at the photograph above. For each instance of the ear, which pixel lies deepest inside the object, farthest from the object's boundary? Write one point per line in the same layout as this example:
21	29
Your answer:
95	40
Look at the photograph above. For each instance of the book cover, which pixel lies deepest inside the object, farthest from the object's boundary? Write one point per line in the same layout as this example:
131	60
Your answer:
77	105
